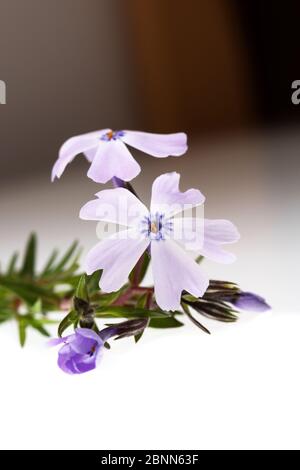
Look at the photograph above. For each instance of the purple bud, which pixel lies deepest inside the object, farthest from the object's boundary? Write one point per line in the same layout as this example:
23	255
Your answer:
249	301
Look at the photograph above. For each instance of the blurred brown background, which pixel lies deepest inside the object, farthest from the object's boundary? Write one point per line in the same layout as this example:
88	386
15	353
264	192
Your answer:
220	70
205	66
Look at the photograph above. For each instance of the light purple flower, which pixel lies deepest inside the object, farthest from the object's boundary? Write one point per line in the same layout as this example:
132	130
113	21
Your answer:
80	351
109	156
173	269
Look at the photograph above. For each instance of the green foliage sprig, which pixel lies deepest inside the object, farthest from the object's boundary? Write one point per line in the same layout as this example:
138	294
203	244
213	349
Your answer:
29	296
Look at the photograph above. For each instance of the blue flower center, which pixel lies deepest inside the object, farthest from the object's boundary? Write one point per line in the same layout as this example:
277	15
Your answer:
112	135
156	226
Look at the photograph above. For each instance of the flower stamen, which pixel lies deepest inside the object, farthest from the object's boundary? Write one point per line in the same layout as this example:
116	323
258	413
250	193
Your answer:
92	351
153	227
156	226
112	135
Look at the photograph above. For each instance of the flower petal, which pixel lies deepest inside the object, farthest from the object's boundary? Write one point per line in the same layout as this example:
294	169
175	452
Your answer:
90	154
87	333
157	145
83	345
220	231
66	350
113	159
168	199
65	364
117	257
55	341
173	272
214	252
71	148
118	206
86	364
216	233
69	364
188	232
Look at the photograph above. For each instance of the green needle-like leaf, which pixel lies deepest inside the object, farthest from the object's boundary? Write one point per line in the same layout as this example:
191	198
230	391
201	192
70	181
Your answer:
69	320
170	322
93	283
28	291
129	312
37	307
12	264
66	258
81	290
28	266
22	324
37	326
138	336
196	322
6	313
107	299
49	264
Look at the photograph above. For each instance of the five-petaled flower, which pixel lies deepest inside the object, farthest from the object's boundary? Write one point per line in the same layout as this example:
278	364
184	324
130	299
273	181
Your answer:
173	269
80	351
109	157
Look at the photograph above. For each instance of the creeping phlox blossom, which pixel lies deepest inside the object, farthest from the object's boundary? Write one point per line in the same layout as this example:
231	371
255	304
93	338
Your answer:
166	236
82	350
109	156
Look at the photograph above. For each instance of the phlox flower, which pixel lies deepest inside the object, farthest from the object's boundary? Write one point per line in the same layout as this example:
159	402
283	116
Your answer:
174	269
109	156
80	351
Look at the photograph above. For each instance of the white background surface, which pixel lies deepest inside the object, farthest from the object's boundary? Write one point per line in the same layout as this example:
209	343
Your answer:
238	388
